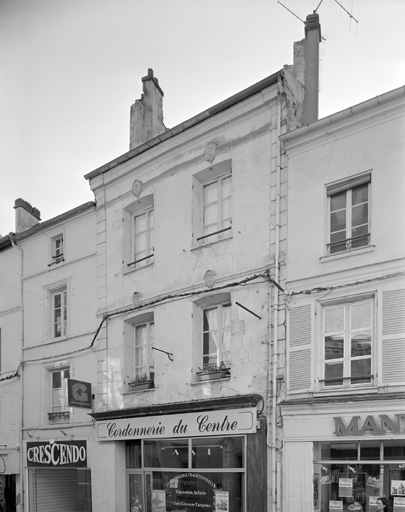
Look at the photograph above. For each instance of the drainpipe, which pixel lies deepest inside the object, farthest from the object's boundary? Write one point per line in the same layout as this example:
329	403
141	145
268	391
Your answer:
22	490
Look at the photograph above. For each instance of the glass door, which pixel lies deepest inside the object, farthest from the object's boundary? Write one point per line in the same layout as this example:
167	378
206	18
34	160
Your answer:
135	493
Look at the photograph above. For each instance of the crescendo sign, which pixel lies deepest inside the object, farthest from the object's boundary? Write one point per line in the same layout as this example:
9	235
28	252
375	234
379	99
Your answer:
56	454
210	423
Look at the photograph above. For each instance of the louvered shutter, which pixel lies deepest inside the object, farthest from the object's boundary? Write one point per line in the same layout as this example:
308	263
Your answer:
299	357
393	337
54	490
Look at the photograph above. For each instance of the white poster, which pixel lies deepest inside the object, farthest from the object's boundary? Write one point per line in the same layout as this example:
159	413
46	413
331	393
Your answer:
399	504
221	501
158	501
335	505
345	488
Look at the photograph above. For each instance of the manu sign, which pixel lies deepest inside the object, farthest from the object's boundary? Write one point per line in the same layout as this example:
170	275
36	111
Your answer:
382	424
211	423
55	454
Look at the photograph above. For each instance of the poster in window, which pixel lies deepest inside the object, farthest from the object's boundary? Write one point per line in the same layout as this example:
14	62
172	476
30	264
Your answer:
345	488
316	491
399	504
372	504
398	487
221	501
335	506
158	501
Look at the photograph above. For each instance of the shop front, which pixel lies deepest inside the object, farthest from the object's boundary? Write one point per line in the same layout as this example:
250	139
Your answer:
206	459
58	476
351	455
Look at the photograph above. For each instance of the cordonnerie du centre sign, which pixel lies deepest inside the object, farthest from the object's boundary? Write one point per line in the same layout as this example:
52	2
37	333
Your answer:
207	423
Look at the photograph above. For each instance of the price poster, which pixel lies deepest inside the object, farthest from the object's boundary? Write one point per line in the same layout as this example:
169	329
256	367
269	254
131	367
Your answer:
345	488
221	501
158	501
399	504
335	506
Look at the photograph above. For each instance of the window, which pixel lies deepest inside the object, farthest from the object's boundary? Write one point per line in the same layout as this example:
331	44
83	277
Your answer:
212	203
217	208
57	249
216	336
143	343
139	233
59	395
348	343
349	214
58	312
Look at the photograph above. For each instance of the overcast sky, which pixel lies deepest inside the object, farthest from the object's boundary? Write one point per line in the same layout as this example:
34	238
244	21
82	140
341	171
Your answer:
70	69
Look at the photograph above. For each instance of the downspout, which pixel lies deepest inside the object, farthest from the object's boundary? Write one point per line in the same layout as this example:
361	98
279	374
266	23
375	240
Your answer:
22	490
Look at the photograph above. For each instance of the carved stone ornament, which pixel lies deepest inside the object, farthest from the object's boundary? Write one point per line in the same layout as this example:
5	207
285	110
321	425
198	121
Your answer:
137	299
209	278
210	152
137	188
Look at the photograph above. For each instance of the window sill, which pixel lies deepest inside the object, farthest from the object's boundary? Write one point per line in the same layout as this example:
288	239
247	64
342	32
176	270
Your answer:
129	270
137	390
202	382
202	244
59	417
362	389
347	254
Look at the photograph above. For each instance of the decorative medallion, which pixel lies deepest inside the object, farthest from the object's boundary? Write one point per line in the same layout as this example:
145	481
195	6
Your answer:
137	188
209	278
137	299
210	152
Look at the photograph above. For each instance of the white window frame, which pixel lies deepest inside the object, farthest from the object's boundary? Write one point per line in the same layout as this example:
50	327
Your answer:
349	242
59	410
57	248
62	291
223	224
347	381
146	369
221	356
143	255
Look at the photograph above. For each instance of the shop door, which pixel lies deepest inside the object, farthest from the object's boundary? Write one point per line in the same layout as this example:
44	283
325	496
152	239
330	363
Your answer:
140	492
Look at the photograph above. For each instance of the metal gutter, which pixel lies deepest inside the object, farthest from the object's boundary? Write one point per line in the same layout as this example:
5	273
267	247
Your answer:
182	127
344	399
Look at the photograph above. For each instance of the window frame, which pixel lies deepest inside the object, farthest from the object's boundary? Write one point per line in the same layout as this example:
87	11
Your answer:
61	289
220	221
349	243
347	359
220	360
149	366
57	251
59	413
132	212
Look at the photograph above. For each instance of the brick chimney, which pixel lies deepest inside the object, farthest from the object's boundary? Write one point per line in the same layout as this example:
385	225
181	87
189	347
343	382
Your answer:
26	215
147	113
311	95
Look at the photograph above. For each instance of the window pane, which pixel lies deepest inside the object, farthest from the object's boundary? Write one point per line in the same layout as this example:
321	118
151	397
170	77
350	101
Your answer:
338	202
361	315
56	380
338	221
140	223
170	453
360	370
221	452
334	319
334	347
226	187
211	193
360	194
339	451
359	215
133	454
370	450
361	345
226	211
394	449
210	215
333	374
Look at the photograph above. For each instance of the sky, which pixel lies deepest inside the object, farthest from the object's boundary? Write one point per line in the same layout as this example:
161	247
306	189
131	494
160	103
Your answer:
71	69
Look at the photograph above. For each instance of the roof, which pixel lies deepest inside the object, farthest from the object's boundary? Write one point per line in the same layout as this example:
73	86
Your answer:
6	240
206	114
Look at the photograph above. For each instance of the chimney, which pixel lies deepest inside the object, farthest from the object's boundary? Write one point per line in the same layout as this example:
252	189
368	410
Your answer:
147	113
311	95
26	215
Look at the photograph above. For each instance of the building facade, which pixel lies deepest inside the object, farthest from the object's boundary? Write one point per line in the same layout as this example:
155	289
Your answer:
343	410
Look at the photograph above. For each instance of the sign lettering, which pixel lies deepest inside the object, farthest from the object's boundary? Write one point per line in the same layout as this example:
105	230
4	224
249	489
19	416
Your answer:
67	454
79	394
370	425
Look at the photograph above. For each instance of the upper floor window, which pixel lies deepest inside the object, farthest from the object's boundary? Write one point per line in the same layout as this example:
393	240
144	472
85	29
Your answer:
217	218
59	395
58	312
144	339
57	249
139	233
348	343
349	222
216	336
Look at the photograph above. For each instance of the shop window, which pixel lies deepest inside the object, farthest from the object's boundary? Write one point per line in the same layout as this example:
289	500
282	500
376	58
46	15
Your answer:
139	233
212	208
348	344
139	333
58	312
349	223
57	249
60	412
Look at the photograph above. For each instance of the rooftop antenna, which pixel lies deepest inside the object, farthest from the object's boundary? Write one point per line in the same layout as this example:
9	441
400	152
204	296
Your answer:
350	15
293	13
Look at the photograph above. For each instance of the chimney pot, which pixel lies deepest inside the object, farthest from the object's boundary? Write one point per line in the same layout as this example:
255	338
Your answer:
26	215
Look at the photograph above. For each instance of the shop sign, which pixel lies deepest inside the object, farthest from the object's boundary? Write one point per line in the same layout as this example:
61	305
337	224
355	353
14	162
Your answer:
382	424
71	454
79	393
198	424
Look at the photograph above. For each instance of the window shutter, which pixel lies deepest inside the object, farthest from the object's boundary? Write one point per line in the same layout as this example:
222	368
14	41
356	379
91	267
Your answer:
299	357
393	337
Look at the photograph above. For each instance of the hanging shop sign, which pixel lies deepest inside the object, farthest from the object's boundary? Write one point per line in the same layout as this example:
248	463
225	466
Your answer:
382	424
209	423
71	454
79	393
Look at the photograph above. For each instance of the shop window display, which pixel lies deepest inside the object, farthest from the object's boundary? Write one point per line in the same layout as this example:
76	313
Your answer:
351	476
186	475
